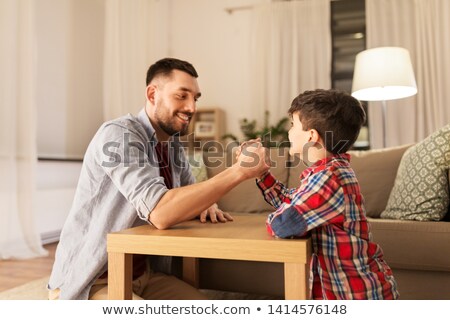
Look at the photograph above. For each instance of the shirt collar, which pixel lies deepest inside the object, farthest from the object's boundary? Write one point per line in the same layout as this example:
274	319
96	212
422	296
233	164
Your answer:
144	120
334	157
341	159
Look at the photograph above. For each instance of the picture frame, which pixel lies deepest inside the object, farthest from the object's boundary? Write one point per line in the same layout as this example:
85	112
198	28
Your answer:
204	129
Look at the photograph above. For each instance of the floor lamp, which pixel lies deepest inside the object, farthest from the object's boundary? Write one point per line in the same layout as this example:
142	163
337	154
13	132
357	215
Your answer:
382	74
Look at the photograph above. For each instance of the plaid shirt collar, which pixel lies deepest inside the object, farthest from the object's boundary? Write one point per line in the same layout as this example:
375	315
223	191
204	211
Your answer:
339	160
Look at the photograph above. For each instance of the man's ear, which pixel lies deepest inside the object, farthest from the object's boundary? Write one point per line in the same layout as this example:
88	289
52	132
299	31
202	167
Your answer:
150	93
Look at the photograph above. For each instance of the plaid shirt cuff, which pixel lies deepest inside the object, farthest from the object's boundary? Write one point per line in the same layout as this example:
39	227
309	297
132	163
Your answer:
266	181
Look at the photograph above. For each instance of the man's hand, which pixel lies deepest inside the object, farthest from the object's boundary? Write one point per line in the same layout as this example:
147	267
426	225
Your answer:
215	215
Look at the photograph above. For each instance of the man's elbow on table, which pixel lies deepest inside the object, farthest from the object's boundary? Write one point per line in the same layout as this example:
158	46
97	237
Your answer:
162	216
159	221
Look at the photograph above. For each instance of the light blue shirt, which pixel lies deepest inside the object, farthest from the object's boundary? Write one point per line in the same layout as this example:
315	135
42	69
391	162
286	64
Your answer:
119	182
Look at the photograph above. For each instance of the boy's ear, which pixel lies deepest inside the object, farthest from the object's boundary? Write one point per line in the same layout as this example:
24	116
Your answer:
314	136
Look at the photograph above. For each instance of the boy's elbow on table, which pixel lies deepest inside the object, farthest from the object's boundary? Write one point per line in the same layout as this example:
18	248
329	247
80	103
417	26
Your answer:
286	225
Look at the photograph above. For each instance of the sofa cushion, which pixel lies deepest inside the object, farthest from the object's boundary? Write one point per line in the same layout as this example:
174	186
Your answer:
413	245
246	197
421	187
375	171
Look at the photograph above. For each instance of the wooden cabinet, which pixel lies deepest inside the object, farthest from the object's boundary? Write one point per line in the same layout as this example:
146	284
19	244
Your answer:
206	128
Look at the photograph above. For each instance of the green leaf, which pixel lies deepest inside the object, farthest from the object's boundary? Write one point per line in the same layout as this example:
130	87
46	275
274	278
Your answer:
267	133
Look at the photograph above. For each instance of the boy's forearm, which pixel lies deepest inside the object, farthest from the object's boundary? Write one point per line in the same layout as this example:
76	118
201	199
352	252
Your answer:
185	203
271	189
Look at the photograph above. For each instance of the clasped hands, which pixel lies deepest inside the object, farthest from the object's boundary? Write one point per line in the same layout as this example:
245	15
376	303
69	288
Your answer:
253	161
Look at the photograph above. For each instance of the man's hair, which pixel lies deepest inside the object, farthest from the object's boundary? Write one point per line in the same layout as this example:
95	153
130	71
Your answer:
336	116
166	66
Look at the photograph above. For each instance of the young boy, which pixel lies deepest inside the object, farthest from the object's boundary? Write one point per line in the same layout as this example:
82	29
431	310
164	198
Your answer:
345	263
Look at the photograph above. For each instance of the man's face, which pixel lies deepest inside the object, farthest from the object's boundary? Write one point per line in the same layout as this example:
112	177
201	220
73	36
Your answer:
175	102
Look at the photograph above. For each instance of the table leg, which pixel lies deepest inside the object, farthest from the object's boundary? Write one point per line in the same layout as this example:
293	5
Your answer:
190	271
296	281
120	267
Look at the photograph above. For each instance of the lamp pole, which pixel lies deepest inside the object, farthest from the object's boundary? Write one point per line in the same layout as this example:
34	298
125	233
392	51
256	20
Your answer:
383	112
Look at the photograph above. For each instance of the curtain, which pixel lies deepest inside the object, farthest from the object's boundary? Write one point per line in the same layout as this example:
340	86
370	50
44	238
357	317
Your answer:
18	235
135	37
290	53
422	27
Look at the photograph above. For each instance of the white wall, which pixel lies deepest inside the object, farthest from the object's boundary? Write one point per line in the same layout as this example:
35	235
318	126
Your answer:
56	183
217	44
69	39
52	26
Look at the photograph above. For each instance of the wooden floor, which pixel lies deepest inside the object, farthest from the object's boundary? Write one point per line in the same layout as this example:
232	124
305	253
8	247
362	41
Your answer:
13	273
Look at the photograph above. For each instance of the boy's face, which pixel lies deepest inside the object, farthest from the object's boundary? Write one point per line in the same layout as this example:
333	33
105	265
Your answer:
297	136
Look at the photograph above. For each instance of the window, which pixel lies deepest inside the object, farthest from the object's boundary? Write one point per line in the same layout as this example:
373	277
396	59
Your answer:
348	34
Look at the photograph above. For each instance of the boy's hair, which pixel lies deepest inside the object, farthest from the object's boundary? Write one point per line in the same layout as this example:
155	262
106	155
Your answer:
166	66
336	116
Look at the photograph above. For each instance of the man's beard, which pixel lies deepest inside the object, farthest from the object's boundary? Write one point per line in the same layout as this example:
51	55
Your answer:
166	122
170	130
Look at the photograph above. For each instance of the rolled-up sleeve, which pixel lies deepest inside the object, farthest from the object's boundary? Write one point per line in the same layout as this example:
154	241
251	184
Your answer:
124	156
275	193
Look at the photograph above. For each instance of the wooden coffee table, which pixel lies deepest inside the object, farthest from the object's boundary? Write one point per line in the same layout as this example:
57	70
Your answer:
245	238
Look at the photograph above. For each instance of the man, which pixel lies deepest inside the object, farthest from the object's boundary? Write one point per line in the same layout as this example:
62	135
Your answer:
130	177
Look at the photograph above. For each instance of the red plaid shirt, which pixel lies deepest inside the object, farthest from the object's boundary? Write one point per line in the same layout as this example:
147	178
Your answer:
345	263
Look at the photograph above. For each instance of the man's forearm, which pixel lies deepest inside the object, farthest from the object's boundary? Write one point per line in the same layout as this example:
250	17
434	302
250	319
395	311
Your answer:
185	203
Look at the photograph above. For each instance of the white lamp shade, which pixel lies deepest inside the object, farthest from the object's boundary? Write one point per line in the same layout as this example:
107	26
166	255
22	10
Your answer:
384	73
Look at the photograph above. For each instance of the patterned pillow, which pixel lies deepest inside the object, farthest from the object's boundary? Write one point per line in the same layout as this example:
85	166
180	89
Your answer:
198	167
421	189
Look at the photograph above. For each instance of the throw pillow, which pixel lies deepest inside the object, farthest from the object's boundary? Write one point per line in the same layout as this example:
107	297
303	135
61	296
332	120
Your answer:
421	187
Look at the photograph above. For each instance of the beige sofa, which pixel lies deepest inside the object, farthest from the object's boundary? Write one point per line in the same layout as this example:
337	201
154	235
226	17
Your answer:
418	252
